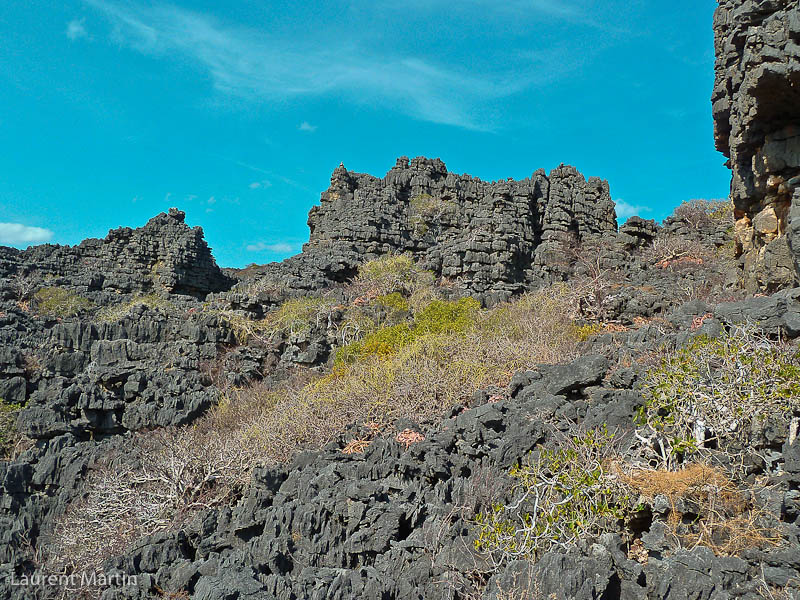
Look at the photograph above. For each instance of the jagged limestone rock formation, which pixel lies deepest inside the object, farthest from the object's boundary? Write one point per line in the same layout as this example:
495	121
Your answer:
165	255
756	103
492	237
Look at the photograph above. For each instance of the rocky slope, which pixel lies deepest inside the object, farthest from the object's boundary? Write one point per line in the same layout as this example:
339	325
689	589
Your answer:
396	521
117	353
756	104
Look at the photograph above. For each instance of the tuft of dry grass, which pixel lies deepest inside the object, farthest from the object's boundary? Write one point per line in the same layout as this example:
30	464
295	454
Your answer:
725	519
356	446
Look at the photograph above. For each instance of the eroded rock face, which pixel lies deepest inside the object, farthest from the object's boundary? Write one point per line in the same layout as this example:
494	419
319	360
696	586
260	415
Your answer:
494	237
756	104
165	255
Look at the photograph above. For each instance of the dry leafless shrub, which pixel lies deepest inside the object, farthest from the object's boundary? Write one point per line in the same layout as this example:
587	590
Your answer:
701	214
674	251
25	286
162	480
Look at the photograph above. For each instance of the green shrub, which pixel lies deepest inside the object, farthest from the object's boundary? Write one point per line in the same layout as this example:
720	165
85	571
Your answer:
8	428
587	331
558	497
394	302
110	314
394	266
714	390
426	209
441	316
59	302
293	317
438	317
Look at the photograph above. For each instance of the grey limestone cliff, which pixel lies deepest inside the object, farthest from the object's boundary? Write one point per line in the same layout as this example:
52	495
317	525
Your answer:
493	237
756	103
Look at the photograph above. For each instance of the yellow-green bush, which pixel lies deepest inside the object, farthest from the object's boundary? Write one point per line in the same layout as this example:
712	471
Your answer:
585	332
441	316
8	428
392	273
59	302
113	313
394	302
714	390
293	317
436	318
559	497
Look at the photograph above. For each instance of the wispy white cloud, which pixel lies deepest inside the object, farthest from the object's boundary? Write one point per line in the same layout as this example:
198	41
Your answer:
212	200
625	210
255	65
556	8
16	234
307	127
278	248
258	185
76	29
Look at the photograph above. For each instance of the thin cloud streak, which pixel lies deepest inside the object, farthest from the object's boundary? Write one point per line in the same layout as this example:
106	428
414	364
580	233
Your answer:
256	66
256	169
556	8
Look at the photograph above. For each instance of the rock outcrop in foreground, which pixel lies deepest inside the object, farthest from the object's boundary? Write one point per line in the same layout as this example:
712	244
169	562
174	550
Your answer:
757	125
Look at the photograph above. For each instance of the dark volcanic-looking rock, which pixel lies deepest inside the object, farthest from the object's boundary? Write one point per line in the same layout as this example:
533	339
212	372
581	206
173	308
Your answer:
493	237
757	125
165	255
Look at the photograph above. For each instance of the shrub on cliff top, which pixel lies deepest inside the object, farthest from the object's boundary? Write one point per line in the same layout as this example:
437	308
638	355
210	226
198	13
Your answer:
699	214
109	314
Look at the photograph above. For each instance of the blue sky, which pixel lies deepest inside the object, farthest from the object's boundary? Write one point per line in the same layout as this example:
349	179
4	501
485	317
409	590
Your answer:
238	111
